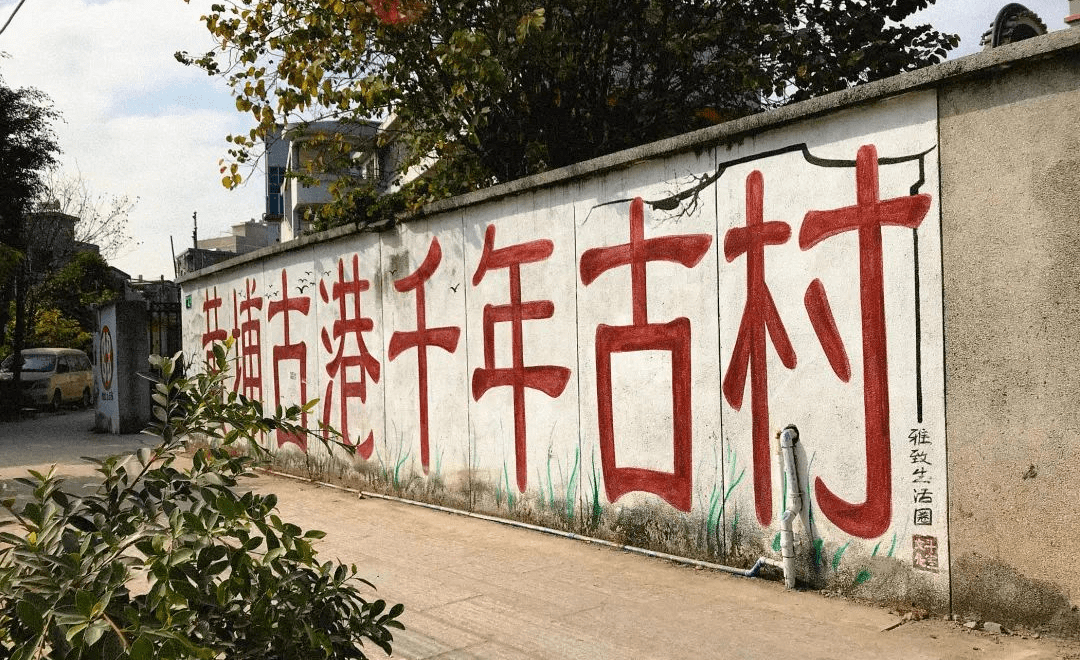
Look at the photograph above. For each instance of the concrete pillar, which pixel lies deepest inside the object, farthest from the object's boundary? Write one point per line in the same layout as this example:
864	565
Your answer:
121	352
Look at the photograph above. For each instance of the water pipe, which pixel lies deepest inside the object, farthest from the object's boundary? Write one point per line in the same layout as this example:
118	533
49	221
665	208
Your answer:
788	438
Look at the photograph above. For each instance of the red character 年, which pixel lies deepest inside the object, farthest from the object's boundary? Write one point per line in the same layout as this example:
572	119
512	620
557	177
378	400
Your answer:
549	379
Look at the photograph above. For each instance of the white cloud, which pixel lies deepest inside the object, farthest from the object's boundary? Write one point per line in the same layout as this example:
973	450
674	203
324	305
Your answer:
136	122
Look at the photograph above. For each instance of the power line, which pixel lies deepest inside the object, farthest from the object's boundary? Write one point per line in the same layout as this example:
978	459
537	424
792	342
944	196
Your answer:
17	7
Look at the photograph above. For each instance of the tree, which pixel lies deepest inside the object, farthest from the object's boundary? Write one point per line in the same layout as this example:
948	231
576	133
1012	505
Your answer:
164	561
61	307
102	220
80	285
500	90
27	149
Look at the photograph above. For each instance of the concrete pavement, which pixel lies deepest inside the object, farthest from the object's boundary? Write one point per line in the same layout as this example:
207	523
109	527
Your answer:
477	589
60	437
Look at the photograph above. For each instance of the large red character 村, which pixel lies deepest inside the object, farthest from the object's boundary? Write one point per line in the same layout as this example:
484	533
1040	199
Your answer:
871	517
548	379
446	338
674	337
349	322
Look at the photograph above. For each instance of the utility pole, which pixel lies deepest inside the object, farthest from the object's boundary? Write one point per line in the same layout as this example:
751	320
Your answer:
195	229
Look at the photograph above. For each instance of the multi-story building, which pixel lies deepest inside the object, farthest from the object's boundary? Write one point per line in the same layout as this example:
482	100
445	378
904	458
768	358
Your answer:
296	186
244	237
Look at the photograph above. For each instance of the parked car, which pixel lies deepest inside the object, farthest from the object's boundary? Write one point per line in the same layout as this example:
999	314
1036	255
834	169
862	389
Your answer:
53	377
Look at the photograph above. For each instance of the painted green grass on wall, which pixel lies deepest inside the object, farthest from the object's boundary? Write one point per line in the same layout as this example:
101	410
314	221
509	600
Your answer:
551	486
594	486
392	476
571	486
397	469
733	482
540	487
839	554
509	490
865	574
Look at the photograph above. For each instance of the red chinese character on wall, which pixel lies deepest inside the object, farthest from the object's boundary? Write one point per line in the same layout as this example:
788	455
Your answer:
673	337
446	338
214	333
249	375
289	351
548	379
759	318
870	518
349	322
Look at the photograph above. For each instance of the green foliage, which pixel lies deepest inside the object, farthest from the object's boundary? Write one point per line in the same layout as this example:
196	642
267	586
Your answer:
9	260
494	91
52	329
168	562
65	302
78	286
361	203
27	150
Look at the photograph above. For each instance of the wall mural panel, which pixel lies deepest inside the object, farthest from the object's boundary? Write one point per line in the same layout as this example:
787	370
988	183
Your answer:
424	288
832	244
522	349
617	355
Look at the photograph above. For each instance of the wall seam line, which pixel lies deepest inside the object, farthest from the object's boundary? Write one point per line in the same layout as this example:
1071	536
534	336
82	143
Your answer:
944	352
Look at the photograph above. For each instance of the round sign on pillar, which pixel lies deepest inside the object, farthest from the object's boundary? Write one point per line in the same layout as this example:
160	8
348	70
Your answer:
105	365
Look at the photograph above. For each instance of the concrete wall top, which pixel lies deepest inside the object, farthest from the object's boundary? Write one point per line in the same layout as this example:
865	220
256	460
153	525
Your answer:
1056	44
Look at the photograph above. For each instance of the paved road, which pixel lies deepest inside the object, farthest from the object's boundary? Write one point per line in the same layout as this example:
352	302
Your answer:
477	589
62	438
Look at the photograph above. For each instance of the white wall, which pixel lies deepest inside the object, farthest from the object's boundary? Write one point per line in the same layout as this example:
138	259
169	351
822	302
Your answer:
626	347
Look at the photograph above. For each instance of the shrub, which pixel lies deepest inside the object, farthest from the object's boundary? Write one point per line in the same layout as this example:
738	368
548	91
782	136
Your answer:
168	562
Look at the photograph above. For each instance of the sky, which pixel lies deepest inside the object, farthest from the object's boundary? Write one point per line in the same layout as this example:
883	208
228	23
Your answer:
138	123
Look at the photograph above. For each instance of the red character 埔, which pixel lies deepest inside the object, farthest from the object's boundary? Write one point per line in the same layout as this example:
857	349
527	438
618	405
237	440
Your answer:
249	374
